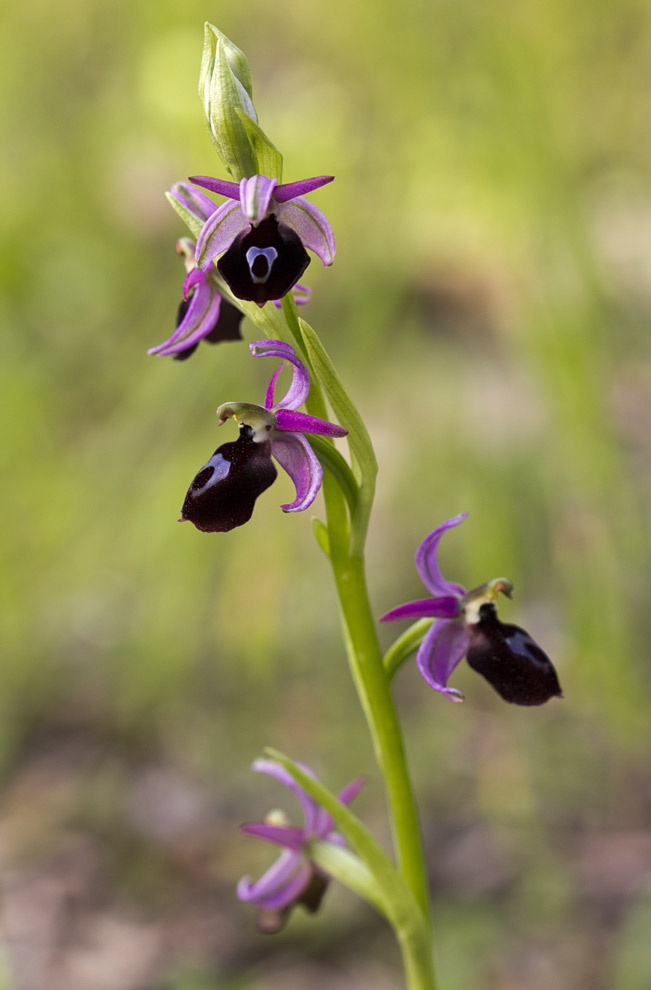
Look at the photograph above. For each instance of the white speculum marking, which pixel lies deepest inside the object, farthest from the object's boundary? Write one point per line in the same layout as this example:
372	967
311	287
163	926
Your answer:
269	254
220	470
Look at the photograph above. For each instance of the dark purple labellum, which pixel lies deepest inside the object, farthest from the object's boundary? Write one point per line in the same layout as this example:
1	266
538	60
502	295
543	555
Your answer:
227	326
264	262
271	921
510	660
223	493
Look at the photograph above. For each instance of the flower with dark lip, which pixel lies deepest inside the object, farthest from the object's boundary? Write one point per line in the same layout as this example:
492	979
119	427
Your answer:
262	233
466	624
204	314
224	491
293	879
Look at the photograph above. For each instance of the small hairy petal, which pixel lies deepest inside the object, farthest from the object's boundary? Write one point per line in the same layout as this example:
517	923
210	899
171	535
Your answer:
290	190
219	232
271	387
294	454
263	262
511	661
311	226
427	562
443	607
224	491
289	421
299	388
255	196
443	647
325	823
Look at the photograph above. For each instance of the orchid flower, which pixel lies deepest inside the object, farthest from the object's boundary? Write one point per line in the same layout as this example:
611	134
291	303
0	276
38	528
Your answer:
223	493
261	234
466	624
293	879
203	314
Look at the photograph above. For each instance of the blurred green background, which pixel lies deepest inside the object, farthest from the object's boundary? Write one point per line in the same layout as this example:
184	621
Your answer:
489	310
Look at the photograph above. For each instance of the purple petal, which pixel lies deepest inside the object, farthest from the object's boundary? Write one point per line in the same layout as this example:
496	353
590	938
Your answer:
278	879
301	295
200	319
219	232
443	647
427	563
444	607
289	421
202	206
326	822
286	893
294	454
221	186
192	279
290	190
271	387
311	226
310	807
289	836
300	385
255	196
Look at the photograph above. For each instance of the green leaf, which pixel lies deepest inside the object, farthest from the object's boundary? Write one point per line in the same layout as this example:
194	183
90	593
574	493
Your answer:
405	645
269	159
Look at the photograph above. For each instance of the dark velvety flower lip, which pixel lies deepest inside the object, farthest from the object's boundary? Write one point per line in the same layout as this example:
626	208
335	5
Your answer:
223	493
264	262
511	661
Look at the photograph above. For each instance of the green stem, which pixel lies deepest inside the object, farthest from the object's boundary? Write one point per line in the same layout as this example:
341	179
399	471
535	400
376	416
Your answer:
373	688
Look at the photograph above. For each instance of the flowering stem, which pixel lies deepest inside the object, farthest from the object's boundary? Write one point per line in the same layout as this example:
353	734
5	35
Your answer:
346	546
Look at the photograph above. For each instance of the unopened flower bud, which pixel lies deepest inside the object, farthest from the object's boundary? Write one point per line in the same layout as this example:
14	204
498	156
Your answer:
225	87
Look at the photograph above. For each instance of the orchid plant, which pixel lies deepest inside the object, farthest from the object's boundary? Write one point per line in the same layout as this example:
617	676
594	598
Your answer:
242	255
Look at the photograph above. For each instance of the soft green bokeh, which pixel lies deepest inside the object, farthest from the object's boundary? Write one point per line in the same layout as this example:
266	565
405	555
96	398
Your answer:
488	310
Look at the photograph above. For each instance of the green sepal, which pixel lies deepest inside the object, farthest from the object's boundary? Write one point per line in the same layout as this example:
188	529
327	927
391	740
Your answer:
333	462
269	159
222	92
401	906
192	222
405	645
348	869
321	535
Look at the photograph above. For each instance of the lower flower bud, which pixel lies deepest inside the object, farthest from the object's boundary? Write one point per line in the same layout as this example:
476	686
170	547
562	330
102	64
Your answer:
510	660
223	493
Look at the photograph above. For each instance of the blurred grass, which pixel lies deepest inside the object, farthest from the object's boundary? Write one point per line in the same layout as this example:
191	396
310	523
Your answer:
489	310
